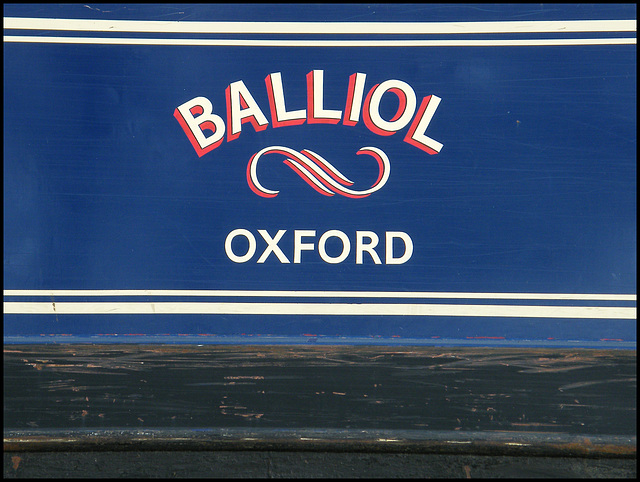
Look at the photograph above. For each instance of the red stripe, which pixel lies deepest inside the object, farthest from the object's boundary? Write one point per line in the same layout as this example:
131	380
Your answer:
325	169
306	178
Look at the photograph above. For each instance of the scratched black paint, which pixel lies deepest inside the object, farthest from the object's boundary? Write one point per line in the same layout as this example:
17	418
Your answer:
294	464
432	389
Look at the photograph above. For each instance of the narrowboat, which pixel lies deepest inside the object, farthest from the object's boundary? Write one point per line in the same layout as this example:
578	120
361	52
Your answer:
308	229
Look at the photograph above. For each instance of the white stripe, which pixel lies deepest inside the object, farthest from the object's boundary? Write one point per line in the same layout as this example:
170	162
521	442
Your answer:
333	309
321	43
328	294
560	26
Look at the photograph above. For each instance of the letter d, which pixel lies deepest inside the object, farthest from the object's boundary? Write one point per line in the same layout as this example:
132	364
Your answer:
194	126
408	247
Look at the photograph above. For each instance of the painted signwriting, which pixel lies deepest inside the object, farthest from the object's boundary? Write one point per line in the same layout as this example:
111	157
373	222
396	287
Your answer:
366	242
318	172
206	131
344	174
196	115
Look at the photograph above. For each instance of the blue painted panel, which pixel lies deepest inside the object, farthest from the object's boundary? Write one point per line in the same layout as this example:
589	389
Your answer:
530	203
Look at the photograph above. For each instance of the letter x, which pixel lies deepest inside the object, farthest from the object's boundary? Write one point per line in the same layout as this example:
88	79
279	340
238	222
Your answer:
272	246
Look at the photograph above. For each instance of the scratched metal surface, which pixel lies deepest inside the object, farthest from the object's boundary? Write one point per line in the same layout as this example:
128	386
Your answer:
266	464
573	401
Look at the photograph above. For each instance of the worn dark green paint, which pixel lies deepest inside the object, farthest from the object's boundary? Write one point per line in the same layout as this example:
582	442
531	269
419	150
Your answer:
526	404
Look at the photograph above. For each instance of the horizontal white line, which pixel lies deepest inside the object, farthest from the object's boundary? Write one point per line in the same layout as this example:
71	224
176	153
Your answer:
328	294
331	309
558	26
319	43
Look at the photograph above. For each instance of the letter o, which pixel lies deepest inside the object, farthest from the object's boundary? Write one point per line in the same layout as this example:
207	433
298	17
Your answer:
407	107
250	252
346	246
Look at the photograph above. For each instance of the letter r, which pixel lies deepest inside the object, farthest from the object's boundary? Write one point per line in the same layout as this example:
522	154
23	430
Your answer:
361	247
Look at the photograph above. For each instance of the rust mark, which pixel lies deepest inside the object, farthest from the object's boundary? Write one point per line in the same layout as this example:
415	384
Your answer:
53	303
250	415
467	471
61	365
15	460
586	447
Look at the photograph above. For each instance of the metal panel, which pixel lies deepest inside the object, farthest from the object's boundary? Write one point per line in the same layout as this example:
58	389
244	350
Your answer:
490	153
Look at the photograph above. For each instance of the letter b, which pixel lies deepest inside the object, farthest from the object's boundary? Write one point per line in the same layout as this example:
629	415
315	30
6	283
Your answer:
195	116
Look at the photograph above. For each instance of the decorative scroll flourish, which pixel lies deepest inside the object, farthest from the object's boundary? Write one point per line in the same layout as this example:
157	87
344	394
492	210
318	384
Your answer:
318	172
